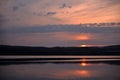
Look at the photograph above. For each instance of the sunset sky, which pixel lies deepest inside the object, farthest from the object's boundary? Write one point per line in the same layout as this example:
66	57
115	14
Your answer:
56	22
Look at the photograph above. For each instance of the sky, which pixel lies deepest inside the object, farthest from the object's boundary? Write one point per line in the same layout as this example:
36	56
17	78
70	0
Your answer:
56	22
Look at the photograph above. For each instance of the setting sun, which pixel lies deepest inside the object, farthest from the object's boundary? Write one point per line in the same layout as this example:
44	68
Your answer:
83	45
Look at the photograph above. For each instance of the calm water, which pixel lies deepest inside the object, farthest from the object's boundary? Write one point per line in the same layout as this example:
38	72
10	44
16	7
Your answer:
85	68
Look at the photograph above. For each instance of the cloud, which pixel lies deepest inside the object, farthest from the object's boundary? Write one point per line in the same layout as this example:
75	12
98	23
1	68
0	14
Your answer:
63	28
113	2
65	6
15	8
3	19
61	39
18	6
32	14
44	12
38	14
50	13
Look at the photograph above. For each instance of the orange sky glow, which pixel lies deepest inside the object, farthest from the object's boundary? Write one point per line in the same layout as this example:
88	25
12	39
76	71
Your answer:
60	12
60	23
82	37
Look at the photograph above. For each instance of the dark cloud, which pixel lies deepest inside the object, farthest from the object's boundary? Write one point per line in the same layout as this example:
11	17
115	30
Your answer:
3	19
113	2
65	6
17	7
44	13
38	14
6	18
64	28
51	13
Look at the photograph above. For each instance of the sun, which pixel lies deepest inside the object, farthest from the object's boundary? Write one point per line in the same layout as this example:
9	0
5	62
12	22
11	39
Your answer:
83	45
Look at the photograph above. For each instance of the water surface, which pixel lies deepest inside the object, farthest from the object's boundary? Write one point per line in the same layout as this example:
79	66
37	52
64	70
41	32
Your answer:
85	68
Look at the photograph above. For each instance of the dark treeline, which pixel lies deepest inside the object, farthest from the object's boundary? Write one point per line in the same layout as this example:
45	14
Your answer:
25	50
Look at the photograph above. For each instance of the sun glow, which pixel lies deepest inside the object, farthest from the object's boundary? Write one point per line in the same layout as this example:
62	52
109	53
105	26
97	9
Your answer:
82	37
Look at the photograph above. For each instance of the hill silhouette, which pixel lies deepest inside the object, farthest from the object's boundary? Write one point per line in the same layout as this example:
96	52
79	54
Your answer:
27	50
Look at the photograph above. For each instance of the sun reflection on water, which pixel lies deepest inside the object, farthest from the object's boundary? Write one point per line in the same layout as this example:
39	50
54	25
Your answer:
83	73
83	63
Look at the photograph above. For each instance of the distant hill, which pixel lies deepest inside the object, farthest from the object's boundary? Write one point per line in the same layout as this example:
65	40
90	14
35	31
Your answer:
25	50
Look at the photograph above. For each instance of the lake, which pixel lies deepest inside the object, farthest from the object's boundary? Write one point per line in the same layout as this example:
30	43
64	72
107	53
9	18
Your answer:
60	68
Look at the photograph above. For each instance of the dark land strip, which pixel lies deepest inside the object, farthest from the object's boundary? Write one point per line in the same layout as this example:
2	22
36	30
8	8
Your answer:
27	50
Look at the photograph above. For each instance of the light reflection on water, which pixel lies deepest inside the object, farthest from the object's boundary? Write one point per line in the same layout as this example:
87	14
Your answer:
61	71
83	62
